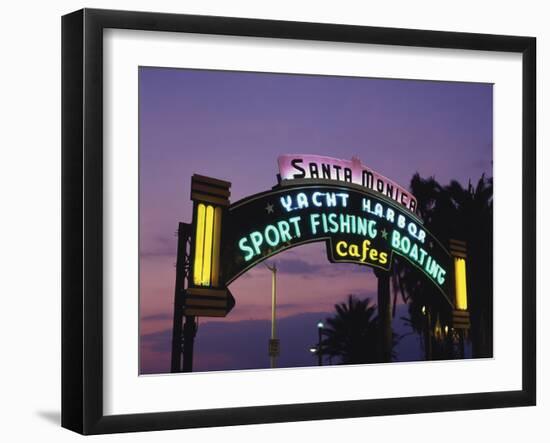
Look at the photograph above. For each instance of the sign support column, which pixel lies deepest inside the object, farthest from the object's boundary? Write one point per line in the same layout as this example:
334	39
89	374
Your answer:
189	332
206	294
273	342
461	316
182	276
384	315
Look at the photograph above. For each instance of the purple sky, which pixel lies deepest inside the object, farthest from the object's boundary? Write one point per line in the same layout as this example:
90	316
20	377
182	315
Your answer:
232	126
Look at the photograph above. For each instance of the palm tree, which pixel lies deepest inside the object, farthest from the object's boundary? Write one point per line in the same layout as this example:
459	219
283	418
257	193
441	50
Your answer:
424	300
351	334
473	214
461	213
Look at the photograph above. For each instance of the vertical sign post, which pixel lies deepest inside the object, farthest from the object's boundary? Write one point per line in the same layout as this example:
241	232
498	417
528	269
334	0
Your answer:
461	316
273	341
206	294
384	315
182	268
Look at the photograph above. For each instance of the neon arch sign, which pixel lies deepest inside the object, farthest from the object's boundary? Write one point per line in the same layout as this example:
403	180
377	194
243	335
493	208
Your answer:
362	217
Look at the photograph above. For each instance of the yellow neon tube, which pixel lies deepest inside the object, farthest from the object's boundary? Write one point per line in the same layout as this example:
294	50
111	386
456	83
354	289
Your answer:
216	246
199	245
208	234
461	295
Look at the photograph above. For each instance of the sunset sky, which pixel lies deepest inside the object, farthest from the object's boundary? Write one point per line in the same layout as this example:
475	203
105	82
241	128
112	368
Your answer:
233	126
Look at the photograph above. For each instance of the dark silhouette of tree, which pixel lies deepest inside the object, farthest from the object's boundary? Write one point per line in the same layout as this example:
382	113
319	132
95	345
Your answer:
351	334
472	215
424	300
464	214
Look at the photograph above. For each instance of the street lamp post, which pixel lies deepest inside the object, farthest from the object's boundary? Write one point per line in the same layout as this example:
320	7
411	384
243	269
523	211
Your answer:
273	342
320	327
427	333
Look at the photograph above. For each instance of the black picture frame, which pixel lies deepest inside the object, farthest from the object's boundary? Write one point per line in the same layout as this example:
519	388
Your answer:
82	215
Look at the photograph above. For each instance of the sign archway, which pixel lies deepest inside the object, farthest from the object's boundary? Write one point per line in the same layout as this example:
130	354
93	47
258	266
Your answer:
361	216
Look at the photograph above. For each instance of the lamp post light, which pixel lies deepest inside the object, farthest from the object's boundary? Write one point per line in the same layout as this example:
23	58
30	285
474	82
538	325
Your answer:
320	327
273	341
318	349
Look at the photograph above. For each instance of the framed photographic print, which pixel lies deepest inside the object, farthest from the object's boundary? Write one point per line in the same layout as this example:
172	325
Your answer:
269	221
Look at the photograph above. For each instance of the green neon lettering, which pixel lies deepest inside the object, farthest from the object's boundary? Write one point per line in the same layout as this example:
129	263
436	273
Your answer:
333	223
344	198
395	240
271	230
295	221
257	240
314	221
353	219
432	268
372	229
301	200
366	205
325	224
441	276
344	223
249	253
405	244
284	229
362	226
401	221
423	255
414	252
315	199
286	201
418	255
421	236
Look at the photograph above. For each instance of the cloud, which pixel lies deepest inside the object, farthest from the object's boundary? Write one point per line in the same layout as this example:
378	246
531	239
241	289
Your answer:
224	345
308	269
156	317
297	266
161	246
160	341
288	305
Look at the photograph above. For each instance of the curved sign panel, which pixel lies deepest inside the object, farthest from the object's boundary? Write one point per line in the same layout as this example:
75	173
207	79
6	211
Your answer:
358	226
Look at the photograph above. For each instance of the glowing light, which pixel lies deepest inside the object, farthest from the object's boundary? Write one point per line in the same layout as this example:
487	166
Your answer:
301	199
341	244
272	235
286	201
315	199
216	247
249	252
207	257
199	245
430	266
320	325
257	239
314	221
207	246
461	295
